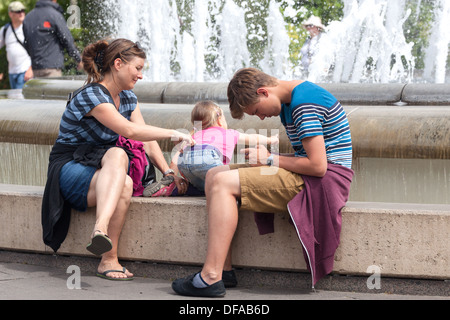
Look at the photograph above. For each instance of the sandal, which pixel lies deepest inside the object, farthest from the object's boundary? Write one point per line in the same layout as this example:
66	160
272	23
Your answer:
104	275
100	243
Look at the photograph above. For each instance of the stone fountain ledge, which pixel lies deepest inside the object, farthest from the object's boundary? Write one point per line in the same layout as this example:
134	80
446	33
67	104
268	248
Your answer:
403	240
191	92
379	131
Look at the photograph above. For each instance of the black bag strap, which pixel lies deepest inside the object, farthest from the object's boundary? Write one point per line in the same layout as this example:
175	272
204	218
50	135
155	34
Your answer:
14	31
74	93
17	38
5	28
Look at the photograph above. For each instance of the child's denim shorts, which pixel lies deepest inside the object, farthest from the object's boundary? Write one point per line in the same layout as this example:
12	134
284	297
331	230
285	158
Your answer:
74	182
194	163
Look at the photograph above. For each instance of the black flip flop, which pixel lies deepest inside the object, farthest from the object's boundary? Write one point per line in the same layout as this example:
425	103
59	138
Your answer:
104	275
100	244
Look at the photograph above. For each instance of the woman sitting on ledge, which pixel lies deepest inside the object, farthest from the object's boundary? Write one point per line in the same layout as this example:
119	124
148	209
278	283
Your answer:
86	168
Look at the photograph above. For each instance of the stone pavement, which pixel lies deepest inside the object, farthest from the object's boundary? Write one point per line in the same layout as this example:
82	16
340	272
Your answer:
21	281
45	277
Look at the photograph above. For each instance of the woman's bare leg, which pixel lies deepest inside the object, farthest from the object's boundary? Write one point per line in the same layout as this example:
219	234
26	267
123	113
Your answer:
110	191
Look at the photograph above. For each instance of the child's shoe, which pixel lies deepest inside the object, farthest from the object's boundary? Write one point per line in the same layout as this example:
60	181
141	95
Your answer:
165	191
153	188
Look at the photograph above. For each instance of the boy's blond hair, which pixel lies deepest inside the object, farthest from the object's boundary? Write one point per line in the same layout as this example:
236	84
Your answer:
242	89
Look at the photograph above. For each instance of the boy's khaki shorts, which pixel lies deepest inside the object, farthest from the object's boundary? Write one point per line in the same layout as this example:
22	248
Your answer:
267	189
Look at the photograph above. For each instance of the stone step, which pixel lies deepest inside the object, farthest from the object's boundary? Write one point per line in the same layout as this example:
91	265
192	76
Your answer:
401	240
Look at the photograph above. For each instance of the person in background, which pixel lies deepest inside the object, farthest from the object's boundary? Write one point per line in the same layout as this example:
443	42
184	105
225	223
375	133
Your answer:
46	36
315	28
11	36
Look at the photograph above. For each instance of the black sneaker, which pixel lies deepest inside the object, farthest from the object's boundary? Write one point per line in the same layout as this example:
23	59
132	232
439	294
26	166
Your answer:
229	279
185	287
156	186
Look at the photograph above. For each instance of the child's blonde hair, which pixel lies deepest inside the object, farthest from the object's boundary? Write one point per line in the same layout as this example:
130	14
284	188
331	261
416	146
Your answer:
206	113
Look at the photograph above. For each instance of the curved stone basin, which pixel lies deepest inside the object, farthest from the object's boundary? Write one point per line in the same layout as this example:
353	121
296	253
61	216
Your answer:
401	151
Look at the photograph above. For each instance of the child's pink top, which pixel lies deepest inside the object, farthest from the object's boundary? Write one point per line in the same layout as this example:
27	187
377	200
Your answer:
224	140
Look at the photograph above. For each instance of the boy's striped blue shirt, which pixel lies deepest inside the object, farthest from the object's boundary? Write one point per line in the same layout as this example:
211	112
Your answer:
314	111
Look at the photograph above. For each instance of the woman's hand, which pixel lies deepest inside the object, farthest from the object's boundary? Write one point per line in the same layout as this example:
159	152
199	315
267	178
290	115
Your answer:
186	139
182	185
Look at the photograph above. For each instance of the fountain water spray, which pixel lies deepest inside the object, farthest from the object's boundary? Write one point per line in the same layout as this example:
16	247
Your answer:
208	40
209	45
367	45
437	52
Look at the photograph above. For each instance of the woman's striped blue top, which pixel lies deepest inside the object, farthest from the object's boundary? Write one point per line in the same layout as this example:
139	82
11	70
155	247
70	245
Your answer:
77	129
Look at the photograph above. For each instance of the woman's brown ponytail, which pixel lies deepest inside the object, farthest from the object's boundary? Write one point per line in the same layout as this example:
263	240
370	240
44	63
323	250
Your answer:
94	61
99	57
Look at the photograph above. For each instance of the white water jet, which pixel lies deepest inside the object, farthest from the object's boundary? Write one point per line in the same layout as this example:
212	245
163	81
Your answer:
233	52
155	25
210	47
367	45
437	52
276	58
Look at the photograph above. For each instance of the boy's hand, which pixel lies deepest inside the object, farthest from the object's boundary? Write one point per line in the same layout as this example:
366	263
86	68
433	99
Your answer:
256	156
274	140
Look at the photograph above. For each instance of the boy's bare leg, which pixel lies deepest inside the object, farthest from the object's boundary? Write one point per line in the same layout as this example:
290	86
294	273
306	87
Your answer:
222	188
